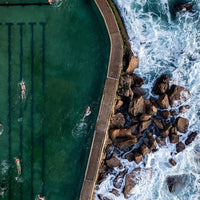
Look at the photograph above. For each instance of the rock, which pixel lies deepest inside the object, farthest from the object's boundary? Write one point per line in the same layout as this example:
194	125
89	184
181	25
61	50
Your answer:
113	162
173	112
183	109
144	117
119	104
174	138
131	181
144	149
115	192
190	138
137	157
151	109
163	101
129	157
125	86
125	142
181	124
165	132
144	125
138	91
158	123
172	161
161	85
176	182
106	198
136	81
161	141
109	150
180	147
183	7
173	130
117	121
165	114
117	182
132	64
177	95
152	143
137	106
100	196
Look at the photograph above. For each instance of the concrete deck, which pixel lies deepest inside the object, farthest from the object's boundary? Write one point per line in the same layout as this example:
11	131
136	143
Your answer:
107	102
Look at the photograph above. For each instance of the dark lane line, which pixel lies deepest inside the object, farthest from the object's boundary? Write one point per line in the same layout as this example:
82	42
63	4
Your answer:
9	110
43	86
21	105
32	106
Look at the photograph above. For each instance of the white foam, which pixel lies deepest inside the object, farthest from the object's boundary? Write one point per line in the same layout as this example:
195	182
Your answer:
164	45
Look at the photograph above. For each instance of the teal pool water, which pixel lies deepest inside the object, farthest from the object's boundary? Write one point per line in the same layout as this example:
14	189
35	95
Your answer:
61	52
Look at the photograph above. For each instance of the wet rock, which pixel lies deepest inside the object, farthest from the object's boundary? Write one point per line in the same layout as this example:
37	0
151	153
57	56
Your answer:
183	109
152	143
118	133
191	138
177	95
113	162
176	182
163	101
106	198
165	114
161	141
174	138
173	130
100	196
144	117
144	149
137	157
130	182
161	85
180	147
144	125
129	157
158	123
115	192
117	121
183	7
181	124
151	109
137	106
173	113
124	89
138	91
165	132
137	81
125	142
132	64
117	182
172	161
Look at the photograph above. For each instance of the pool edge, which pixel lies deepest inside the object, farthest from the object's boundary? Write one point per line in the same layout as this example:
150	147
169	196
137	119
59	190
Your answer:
107	101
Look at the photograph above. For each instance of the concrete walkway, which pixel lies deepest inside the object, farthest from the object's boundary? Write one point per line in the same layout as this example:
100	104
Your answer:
107	102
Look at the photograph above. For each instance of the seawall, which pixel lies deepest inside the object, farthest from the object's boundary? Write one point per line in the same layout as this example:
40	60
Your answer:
107	101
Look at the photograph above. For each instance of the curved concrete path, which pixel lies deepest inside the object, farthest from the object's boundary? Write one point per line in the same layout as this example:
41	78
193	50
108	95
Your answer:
107	102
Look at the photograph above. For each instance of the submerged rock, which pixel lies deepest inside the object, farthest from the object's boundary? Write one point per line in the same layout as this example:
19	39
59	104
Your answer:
190	138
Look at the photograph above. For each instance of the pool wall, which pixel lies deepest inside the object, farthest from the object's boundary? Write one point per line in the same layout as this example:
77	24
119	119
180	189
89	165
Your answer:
107	101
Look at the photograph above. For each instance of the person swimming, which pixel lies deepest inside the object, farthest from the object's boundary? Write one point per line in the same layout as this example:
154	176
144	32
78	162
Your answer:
17	161
41	198
51	1
87	112
23	89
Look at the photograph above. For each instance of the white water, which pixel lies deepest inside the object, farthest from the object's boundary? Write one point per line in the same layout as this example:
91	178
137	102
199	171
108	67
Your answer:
165	44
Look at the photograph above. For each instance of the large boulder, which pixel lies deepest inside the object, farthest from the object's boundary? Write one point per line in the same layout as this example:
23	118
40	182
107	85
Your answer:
152	143
190	138
131	181
138	91
113	162
177	95
132	64
117	182
181	124
151	109
165	114
144	149
117	121
115	192
165	132
176	182
119	104
124	89
158	123
144	125
137	81
144	117
174	138
161	85
137	106
137	157
163	101
183	109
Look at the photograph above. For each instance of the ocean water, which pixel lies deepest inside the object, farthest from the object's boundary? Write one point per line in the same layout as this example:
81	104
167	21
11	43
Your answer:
165	42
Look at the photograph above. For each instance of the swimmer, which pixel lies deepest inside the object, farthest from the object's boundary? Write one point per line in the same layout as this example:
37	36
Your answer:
41	198
51	1
3	187
17	161
87	112
23	89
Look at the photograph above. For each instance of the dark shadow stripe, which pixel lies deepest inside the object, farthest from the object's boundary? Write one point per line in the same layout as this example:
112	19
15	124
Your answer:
25	4
21	105
9	110
32	107
43	130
